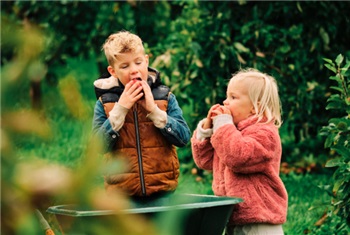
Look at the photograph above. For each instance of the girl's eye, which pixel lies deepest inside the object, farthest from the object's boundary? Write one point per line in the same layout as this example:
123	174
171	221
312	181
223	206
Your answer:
124	66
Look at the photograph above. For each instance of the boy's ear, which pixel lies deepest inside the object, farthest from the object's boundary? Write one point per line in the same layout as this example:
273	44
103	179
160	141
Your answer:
111	70
147	59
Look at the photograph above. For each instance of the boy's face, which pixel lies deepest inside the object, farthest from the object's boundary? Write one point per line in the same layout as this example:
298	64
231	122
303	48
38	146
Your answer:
129	66
238	101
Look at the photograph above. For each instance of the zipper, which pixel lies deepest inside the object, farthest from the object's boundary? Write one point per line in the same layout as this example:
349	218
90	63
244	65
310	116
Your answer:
139	154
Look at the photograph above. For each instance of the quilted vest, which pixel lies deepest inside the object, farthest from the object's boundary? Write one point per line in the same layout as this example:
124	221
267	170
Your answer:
152	162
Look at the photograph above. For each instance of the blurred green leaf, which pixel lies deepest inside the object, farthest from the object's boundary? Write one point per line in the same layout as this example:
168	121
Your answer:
329	61
339	60
333	162
239	46
330	67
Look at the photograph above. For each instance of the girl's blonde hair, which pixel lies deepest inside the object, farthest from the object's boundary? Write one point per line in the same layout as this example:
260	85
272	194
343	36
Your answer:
263	92
119	43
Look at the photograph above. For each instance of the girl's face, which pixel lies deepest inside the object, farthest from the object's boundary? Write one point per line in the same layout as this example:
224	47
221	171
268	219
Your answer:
238	101
130	66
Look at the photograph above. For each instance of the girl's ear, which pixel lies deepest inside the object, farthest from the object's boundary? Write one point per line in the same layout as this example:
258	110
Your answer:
252	111
111	71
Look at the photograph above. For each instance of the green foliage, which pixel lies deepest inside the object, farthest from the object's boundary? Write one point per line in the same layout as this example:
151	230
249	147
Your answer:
209	41
197	45
338	136
79	28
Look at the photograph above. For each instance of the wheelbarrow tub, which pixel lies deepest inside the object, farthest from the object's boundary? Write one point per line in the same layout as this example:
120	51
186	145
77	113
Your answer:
192	213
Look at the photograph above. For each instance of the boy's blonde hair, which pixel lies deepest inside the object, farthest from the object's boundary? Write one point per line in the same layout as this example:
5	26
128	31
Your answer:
263	92
119	43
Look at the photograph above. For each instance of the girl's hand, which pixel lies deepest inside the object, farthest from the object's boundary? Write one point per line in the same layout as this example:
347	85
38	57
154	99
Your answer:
132	93
148	101
221	110
215	110
208	123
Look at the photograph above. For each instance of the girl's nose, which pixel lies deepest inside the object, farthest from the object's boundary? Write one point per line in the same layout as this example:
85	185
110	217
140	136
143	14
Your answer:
225	102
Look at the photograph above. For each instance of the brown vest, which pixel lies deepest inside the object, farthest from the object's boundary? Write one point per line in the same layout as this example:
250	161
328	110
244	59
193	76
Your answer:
152	165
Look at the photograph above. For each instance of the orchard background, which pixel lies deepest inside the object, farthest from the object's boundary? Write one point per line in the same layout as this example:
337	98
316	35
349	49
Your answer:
51	54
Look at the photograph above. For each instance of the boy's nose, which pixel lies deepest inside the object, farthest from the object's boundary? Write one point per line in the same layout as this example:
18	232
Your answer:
133	69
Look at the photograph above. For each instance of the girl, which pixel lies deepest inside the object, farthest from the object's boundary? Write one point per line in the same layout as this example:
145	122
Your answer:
240	143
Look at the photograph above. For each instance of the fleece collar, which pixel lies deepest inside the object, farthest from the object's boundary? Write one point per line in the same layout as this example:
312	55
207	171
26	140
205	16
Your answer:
112	84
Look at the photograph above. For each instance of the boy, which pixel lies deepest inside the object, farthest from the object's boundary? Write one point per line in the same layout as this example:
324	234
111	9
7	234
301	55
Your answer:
138	119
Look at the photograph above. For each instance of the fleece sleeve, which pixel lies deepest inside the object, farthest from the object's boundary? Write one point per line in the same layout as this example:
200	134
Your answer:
202	152
249	151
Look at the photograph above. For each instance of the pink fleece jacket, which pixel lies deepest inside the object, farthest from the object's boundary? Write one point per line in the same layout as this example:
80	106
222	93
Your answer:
245	162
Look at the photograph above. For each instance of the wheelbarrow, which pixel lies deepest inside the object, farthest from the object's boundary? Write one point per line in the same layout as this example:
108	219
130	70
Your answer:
193	214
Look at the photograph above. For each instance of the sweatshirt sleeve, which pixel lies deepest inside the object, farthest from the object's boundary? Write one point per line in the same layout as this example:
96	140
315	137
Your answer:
249	151
203	133
117	116
158	117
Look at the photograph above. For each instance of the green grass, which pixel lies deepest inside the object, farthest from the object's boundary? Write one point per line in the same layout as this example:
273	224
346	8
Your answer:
307	202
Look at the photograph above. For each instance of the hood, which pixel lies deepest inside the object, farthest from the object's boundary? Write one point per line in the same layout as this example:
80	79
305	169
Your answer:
111	84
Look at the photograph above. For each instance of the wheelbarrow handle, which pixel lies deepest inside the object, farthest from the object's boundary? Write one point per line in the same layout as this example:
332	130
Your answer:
44	224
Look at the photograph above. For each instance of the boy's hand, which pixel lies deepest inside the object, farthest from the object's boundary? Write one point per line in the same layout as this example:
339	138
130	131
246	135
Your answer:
132	93
148	101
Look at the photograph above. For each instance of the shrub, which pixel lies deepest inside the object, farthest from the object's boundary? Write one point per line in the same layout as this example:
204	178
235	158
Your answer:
338	139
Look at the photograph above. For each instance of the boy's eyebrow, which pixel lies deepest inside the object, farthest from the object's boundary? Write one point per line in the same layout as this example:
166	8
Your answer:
139	57
124	63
